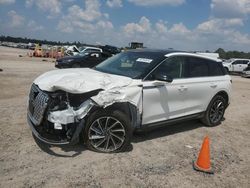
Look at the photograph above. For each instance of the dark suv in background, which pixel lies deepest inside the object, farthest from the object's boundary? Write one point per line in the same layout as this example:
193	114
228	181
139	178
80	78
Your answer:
111	49
86	59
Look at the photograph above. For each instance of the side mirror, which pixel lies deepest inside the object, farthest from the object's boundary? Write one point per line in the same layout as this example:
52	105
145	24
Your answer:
163	77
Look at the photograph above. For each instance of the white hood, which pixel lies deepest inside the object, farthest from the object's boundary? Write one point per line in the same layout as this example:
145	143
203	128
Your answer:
80	80
115	88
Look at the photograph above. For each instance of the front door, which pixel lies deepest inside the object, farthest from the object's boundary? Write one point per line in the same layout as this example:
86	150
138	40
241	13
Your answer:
164	100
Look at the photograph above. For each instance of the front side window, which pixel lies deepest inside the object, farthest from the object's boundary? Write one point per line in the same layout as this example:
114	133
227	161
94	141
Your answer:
172	67
237	62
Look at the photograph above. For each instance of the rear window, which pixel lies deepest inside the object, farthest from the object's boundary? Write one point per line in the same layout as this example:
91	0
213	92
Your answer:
215	68
245	62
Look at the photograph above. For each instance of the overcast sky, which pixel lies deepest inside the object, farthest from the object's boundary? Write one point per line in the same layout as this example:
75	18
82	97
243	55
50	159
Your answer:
179	24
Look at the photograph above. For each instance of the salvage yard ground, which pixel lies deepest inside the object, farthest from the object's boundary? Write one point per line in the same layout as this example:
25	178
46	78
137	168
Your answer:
161	158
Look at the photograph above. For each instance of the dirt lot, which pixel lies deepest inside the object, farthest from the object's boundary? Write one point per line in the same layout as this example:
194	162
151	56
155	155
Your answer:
161	158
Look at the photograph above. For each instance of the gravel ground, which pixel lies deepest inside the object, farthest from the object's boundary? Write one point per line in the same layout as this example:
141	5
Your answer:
160	158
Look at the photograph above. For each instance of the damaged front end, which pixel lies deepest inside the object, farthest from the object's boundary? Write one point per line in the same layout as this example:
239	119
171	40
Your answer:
58	117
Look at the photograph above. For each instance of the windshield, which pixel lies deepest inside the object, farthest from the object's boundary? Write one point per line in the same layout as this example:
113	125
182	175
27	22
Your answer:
130	64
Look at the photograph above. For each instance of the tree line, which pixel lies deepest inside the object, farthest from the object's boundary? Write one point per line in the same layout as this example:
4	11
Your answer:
232	54
222	53
36	41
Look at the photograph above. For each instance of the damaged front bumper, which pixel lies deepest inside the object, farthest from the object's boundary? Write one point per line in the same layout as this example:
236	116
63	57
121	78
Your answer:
55	127
61	127
41	137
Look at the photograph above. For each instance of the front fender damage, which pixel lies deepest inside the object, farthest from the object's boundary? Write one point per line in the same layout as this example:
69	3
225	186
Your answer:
105	98
113	90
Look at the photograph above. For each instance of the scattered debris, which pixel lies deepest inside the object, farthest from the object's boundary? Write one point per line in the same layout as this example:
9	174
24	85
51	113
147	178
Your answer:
20	56
188	146
1	70
44	60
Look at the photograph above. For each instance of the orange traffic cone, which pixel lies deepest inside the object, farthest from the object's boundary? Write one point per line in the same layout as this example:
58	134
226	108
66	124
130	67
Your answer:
203	162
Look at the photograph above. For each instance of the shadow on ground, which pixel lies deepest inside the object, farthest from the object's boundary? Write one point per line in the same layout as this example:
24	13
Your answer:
141	136
166	130
66	150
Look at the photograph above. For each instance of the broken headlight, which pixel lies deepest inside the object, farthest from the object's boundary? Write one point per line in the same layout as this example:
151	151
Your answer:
59	101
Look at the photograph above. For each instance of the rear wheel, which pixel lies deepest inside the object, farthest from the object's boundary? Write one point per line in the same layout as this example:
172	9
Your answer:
215	111
107	131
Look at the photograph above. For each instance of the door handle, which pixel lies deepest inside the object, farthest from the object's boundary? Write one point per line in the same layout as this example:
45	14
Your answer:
213	85
182	88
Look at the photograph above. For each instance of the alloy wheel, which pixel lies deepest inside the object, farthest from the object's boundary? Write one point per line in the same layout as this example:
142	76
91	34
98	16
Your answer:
106	134
216	111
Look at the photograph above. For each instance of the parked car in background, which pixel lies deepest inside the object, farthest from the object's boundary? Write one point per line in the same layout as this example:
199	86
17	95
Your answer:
246	72
236	65
71	50
111	49
84	49
137	89
86	59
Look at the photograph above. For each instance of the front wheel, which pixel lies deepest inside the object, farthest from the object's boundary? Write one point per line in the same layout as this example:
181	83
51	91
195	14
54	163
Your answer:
107	132
215	111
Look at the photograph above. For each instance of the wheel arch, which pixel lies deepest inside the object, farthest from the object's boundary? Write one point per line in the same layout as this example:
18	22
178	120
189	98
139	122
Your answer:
128	109
224	94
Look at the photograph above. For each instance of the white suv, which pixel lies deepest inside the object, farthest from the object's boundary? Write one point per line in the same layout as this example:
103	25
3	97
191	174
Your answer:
133	90
236	65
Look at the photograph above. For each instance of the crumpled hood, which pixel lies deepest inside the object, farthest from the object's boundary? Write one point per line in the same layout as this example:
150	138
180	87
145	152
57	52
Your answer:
80	80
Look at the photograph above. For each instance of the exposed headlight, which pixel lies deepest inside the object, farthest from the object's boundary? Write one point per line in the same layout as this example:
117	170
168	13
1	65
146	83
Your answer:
58	101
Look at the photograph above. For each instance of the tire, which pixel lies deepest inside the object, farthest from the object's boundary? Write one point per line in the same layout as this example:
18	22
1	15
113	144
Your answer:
215	111
76	66
115	137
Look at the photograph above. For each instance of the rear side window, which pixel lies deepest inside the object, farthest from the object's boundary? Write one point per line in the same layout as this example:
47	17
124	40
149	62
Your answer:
215	68
245	62
197	67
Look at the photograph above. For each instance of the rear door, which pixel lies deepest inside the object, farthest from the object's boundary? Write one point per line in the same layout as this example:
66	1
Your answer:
203	79
243	65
